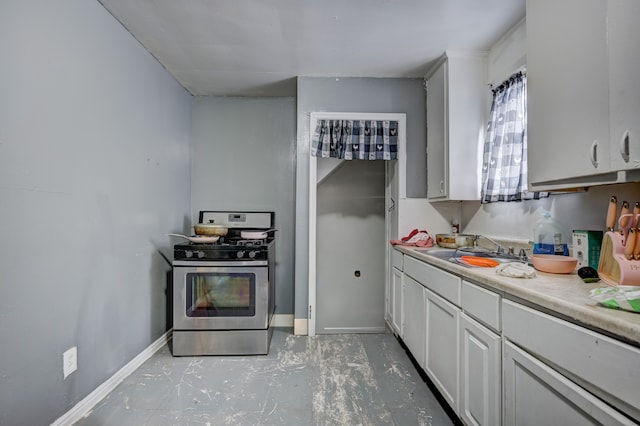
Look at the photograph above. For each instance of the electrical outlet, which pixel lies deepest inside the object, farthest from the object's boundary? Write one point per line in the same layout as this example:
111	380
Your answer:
69	361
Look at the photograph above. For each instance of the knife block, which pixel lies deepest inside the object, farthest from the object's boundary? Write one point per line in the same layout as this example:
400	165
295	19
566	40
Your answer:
614	268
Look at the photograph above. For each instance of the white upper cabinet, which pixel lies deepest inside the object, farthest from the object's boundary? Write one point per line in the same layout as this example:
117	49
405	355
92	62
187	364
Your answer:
624	87
457	96
436	167
582	69
568	95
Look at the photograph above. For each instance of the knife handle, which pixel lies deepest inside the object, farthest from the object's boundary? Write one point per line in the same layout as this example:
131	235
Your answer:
624	220
636	250
630	243
611	213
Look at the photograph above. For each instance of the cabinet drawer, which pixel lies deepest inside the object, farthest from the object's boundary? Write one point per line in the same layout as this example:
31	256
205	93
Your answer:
482	304
604	366
397	259
443	283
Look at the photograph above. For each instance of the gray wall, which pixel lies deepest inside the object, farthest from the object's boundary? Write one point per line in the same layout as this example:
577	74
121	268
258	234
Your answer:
94	171
376	95
582	210
244	159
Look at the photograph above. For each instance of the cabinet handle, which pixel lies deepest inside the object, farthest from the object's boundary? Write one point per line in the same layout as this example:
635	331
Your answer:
624	147
442	187
594	154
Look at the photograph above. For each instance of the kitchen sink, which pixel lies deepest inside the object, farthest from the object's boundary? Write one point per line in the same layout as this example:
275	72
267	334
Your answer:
441	253
453	254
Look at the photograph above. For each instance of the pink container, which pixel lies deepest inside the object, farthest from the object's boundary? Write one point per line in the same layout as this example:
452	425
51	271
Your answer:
554	264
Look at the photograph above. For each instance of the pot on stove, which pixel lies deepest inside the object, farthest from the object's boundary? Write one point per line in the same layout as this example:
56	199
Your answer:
198	239
255	234
211	229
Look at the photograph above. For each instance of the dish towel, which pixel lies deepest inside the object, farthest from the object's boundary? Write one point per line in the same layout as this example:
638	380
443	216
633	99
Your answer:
516	270
415	238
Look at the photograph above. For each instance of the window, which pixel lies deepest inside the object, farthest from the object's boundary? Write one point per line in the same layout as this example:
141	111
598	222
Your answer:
504	162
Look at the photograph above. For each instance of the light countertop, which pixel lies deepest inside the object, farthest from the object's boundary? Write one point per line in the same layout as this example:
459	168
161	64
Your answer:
562	295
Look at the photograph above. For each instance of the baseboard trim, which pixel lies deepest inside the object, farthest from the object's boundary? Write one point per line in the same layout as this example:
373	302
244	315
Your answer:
282	320
356	330
82	408
300	327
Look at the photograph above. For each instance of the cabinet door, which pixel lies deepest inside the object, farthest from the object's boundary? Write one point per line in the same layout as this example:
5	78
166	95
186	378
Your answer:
396	300
396	259
480	385
624	89
436	134
568	96
442	355
388	300
413	317
535	394
467	104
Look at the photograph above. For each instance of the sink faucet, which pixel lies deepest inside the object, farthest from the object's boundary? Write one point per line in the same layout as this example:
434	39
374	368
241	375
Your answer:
499	248
523	255
504	253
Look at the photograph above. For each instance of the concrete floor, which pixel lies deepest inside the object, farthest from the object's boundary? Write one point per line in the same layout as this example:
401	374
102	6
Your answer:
348	379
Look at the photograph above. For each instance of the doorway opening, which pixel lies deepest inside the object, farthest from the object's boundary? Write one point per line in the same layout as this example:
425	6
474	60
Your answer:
369	222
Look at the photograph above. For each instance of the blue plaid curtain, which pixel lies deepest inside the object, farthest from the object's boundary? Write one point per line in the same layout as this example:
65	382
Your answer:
356	139
504	166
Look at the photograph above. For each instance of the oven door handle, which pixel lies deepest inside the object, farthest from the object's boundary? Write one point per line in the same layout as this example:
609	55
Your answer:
216	263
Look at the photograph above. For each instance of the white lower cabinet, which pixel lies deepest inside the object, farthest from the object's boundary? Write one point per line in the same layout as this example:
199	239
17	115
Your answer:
396	300
535	394
413	316
393	300
480	384
442	343
388	300
498	362
440	326
557	372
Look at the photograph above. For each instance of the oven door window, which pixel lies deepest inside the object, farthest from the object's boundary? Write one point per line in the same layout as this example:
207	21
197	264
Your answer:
221	294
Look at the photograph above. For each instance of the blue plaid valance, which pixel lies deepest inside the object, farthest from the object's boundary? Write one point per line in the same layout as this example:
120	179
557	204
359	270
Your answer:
356	139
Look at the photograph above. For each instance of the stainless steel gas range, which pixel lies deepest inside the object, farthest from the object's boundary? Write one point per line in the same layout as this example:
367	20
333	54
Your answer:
224	292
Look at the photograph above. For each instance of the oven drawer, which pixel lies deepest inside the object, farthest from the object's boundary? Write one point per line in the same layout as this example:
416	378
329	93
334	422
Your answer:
221	342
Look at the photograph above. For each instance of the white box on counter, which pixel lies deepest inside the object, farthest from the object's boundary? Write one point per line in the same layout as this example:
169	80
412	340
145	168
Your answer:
586	247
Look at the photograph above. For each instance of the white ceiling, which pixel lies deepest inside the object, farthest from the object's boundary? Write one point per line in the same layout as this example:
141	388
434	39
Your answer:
258	47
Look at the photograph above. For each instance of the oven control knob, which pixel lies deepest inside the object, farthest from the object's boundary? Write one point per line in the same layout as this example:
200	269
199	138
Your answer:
200	254
188	253
252	254
240	254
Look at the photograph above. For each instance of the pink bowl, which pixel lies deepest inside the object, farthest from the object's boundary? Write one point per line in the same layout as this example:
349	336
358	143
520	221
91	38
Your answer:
554	264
